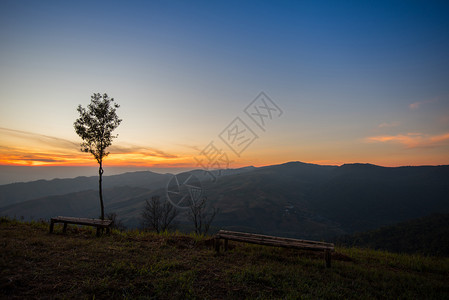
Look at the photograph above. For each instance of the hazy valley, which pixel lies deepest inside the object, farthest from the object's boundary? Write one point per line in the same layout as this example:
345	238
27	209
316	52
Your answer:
293	199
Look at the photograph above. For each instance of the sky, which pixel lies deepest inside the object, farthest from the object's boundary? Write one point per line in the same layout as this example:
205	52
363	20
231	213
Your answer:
227	83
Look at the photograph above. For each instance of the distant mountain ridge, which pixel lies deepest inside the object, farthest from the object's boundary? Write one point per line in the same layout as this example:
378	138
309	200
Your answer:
23	191
370	195
292	199
14	193
76	204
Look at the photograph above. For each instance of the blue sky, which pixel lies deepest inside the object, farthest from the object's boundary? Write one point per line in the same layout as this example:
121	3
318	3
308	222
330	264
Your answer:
358	81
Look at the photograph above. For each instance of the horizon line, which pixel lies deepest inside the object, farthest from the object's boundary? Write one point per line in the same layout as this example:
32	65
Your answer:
195	167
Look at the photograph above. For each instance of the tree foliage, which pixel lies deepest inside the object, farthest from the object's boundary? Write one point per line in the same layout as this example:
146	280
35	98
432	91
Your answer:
158	215
95	126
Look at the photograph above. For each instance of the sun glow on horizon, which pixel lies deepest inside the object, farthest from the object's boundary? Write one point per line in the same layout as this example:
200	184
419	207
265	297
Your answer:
31	158
30	149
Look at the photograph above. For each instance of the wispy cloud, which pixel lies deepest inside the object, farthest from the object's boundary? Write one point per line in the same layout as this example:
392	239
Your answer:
28	148
389	125
32	137
418	104
196	148
444	119
42	160
27	156
413	140
141	150
440	138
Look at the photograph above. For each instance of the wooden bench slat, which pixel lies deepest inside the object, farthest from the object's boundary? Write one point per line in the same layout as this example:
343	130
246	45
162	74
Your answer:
273	242
280	243
99	224
244	234
73	219
82	221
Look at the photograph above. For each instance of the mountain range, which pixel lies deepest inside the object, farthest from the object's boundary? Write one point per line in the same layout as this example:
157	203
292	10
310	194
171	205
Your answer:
293	199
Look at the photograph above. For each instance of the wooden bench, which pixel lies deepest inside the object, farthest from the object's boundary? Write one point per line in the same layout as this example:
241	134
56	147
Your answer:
100	224
268	240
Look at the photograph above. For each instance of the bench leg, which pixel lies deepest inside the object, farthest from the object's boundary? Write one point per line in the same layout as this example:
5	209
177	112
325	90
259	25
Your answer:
51	226
108	230
217	245
225	245
64	229
327	257
98	231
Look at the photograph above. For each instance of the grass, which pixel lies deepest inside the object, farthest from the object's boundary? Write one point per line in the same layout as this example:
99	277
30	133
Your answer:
140	265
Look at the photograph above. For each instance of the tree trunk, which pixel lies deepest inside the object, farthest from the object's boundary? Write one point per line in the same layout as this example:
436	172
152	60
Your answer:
100	173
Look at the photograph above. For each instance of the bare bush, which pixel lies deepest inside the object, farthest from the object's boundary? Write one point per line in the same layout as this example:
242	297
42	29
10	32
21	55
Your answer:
116	223
198	215
158	215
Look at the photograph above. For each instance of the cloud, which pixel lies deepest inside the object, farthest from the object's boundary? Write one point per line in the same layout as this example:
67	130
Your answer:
44	160
146	151
413	139
27	156
388	125
418	104
444	119
196	148
22	147
415	105
38	138
440	138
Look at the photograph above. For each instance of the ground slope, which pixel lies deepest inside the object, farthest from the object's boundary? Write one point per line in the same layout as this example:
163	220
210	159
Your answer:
36	264
428	236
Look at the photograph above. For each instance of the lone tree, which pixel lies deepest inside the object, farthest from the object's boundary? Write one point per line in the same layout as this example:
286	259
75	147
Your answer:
95	126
